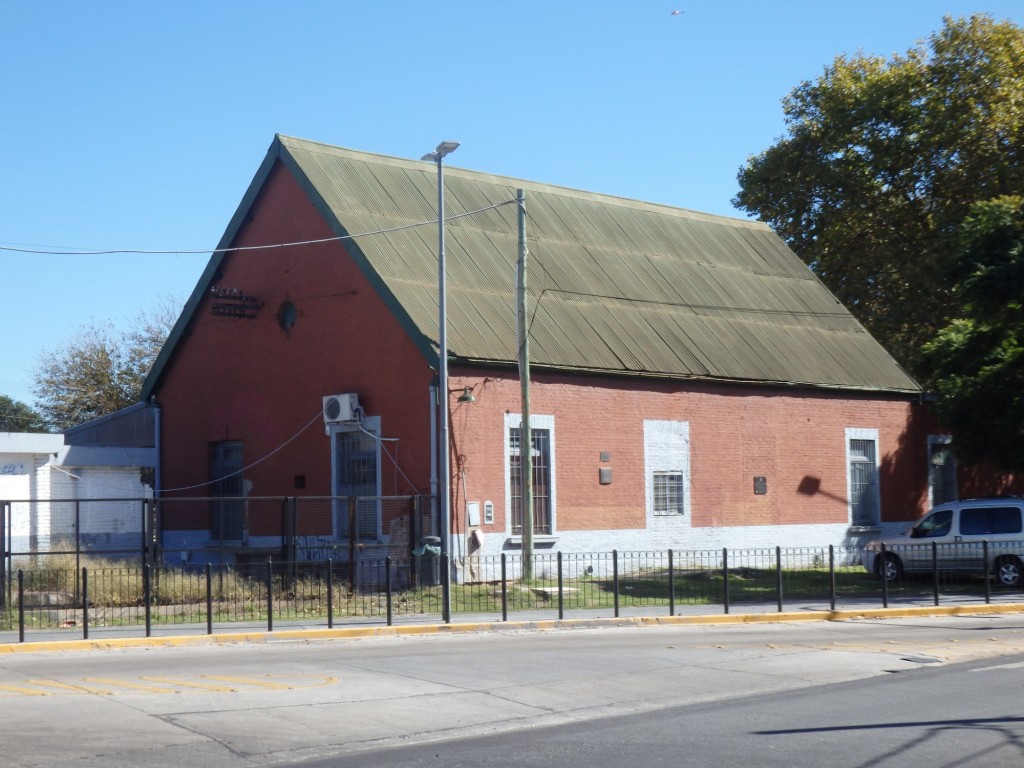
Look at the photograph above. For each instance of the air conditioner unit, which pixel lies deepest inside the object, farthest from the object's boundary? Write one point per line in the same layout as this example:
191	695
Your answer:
338	408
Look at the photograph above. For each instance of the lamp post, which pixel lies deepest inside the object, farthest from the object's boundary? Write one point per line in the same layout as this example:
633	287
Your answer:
444	484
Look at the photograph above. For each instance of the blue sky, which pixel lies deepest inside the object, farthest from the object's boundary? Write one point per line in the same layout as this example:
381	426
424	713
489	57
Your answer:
140	125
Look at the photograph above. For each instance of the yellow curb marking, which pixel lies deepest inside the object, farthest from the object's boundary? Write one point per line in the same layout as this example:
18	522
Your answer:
44	646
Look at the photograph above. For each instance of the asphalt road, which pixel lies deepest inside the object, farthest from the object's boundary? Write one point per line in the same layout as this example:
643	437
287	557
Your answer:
274	702
966	715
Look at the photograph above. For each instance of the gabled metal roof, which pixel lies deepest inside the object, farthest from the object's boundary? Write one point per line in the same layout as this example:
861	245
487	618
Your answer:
616	286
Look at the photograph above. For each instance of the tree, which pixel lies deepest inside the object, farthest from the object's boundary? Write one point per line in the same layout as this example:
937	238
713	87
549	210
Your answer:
15	416
101	370
977	361
880	165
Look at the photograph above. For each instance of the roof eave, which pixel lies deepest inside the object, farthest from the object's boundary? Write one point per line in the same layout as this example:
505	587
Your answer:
684	377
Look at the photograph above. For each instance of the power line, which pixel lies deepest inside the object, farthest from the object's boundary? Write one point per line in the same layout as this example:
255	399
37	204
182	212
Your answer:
243	469
188	251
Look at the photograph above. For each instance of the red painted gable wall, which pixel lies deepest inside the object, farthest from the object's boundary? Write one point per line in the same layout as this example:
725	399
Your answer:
252	380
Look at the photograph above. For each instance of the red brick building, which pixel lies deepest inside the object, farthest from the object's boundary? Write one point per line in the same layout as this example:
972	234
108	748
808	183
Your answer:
693	384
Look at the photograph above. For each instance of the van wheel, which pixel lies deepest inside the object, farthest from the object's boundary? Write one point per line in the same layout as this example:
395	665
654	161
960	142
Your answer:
889	567
1008	571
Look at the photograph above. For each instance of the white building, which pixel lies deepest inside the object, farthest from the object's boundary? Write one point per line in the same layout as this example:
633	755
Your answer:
83	489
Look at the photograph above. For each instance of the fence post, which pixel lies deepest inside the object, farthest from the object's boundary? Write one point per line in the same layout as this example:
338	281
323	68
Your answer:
561	605
778	577
147	596
446	595
832	577
935	572
504	589
615	580
290	512
985	573
78	534
151	531
270	595
671	585
209	599
352	537
85	603
330	593
387	584
725	579
882	571
5	562
21	606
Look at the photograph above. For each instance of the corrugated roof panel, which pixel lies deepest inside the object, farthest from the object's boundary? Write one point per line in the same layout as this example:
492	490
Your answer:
615	285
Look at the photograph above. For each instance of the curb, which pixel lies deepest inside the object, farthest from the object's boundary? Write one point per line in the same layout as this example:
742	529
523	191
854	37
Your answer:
342	633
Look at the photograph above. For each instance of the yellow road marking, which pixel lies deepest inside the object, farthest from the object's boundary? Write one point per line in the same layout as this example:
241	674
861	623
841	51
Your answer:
24	691
189	684
248	681
125	684
69	687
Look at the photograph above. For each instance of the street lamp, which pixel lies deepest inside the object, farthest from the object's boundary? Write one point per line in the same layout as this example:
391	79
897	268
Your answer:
444	485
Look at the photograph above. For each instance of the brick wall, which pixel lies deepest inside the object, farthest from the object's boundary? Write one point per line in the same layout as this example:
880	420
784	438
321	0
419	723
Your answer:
795	440
255	381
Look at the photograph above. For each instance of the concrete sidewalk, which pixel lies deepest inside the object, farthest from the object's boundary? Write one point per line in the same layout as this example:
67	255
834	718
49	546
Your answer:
162	635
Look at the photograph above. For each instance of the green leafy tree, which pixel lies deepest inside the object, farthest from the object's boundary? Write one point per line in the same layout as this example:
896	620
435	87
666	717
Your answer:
15	416
101	370
880	165
977	361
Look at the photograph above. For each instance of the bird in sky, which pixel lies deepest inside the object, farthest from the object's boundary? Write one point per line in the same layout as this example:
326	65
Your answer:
677	13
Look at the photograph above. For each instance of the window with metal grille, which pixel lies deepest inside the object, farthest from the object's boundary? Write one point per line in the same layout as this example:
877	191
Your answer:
357	474
541	457
668	493
227	512
863	483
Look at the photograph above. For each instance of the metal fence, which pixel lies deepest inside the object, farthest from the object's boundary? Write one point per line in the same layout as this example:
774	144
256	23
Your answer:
213	529
160	598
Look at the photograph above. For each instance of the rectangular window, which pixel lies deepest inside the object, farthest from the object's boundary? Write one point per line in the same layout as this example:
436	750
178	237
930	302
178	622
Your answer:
667	467
227	512
941	470
862	463
668	493
356	465
542	456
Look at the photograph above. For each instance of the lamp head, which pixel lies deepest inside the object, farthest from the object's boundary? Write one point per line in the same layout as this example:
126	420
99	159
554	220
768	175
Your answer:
443	149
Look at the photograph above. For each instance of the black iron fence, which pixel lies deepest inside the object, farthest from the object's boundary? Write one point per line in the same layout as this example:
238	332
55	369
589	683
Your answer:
213	529
160	598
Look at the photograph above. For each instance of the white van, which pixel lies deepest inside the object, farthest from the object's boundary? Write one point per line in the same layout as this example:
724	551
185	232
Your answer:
960	530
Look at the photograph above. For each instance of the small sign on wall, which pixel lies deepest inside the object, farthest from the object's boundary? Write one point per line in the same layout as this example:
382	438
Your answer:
760	485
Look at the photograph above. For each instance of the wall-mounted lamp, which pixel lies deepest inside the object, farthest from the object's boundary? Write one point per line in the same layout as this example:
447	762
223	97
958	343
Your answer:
467	395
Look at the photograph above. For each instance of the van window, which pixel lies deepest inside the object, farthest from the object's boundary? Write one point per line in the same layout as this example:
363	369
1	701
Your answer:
1006	520
936	524
982	521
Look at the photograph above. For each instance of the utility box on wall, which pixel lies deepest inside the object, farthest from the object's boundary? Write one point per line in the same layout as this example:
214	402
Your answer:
339	408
